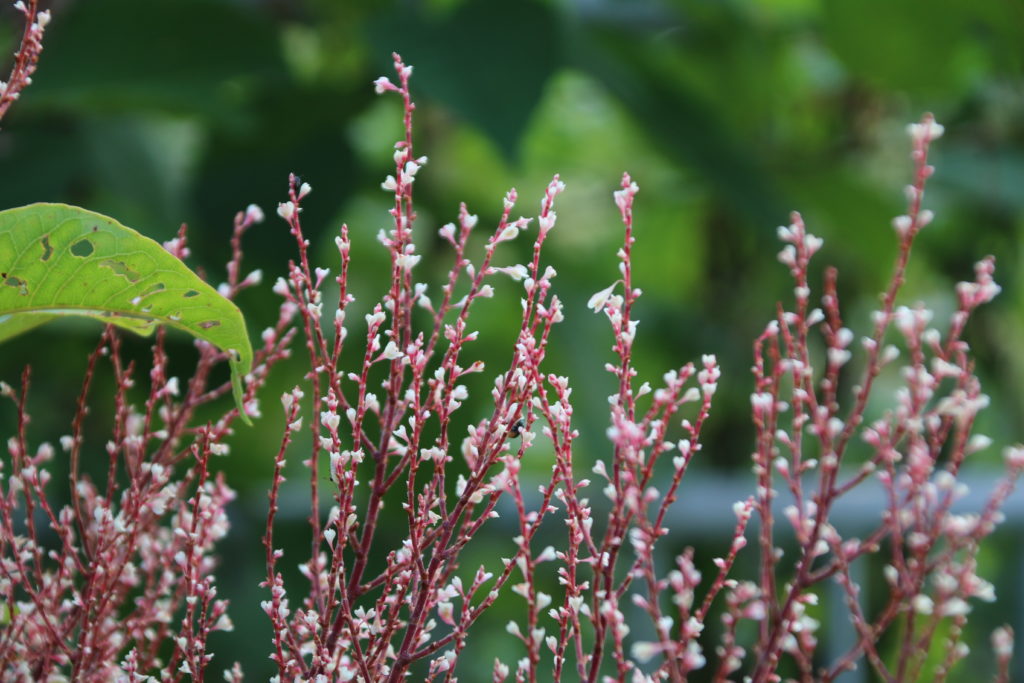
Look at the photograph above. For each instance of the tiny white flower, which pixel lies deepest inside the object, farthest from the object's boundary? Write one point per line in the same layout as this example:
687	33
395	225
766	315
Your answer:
286	210
598	300
391	351
509	233
902	224
928	131
407	261
922	604
547	222
254	214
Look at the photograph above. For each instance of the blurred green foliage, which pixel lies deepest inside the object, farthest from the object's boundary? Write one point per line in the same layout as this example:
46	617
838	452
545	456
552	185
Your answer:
728	113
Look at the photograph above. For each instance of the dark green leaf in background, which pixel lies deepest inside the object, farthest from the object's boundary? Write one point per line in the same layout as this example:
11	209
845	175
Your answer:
171	55
487	61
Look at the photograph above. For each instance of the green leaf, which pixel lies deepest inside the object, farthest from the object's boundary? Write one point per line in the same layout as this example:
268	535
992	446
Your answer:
187	56
871	38
679	121
58	260
500	47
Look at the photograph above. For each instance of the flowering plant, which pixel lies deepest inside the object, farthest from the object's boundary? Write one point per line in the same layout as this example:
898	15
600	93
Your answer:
117	583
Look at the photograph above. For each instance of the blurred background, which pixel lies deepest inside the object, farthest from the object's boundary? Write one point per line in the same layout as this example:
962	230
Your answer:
728	114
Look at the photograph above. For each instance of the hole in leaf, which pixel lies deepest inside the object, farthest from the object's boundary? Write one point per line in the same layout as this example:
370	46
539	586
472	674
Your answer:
191	293
152	289
17	282
121	268
47	249
207	324
82	248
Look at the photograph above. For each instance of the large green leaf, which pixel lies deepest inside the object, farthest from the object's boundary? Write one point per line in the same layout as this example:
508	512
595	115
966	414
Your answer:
476	56
58	260
186	56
